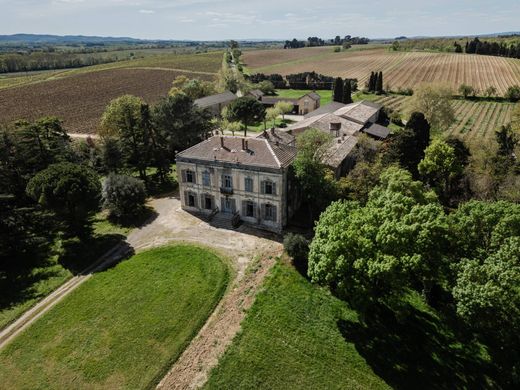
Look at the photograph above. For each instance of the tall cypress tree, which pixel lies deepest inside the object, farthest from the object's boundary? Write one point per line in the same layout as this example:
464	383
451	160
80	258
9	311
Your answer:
338	90
379	83
347	92
372	82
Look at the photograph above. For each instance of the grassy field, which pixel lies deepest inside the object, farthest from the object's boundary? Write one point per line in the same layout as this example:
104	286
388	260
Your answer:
297	336
290	340
475	120
326	95
72	256
123	328
401	69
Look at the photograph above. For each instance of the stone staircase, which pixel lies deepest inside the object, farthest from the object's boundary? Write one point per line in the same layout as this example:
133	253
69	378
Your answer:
222	221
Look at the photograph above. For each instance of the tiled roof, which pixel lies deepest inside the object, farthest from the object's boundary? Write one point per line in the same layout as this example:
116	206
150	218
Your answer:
208	101
313	95
377	131
275	99
259	152
276	135
256	93
359	112
322	122
339	150
326	109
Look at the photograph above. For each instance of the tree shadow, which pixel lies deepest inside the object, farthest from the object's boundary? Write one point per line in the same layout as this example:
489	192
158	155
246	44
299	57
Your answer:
418	351
143	218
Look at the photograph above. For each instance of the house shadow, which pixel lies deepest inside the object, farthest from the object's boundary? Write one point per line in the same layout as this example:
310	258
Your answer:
418	351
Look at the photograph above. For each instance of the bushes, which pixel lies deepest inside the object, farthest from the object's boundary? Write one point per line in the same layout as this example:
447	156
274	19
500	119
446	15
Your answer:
513	94
123	196
297	247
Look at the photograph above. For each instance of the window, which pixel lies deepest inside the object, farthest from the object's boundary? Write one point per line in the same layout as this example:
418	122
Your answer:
208	202
190	176
249	184
206	179
268	187
191	200
269	212
248	209
227	181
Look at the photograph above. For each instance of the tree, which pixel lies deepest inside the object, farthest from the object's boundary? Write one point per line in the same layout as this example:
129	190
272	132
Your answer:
439	166
407	147
127	119
318	187
372	82
179	123
271	114
513	93
246	110
284	108
70	190
379	83
347	92
466	90
297	247
338	90
434	101
194	88
111	155
384	248
490	91
124	196
267	87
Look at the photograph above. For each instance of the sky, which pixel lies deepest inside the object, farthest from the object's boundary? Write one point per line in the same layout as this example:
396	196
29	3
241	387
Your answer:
252	19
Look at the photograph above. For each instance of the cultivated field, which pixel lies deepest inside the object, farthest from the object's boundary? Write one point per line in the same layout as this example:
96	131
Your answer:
401	69
122	328
81	99
474	120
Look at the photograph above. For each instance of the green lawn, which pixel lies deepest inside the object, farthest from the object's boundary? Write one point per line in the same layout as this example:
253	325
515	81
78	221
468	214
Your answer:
326	95
72	256
123	328
290	339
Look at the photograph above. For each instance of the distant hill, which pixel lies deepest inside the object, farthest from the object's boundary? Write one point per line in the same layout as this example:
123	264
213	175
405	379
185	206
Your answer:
67	39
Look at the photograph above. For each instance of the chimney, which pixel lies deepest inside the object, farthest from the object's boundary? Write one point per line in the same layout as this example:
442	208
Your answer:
221	142
244	144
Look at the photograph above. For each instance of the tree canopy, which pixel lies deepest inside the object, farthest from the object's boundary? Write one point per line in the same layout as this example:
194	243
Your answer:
434	101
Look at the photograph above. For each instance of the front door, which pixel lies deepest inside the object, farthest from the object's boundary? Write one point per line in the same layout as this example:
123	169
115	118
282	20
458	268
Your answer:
207	202
228	205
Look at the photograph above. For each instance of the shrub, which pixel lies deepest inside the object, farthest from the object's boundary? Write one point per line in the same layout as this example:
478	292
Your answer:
337	49
395	118
297	247
123	196
513	93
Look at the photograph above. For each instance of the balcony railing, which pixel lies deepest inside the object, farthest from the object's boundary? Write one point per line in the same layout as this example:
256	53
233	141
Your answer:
226	190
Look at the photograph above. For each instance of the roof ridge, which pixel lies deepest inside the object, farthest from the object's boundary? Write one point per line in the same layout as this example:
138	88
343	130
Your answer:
273	153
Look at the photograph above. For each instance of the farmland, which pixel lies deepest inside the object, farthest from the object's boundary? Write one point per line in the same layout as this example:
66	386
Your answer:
80	96
123	327
401	69
474	119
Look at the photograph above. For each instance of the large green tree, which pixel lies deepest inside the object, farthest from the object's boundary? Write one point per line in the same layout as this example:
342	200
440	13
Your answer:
395	241
314	177
407	146
72	191
434	101
246	110
338	90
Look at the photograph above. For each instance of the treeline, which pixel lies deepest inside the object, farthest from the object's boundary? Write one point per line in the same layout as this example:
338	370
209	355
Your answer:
346	42
306	80
53	60
476	46
51	187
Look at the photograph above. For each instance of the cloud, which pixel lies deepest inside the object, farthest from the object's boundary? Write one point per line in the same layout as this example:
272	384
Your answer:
146	11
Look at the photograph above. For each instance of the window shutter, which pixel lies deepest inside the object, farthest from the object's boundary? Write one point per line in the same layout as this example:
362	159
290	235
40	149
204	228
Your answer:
274	188
183	175
222	181
212	202
255	212
274	213
233	205
263	211
202	201
186	202
194	175
244	208
263	187
222	204
195	200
